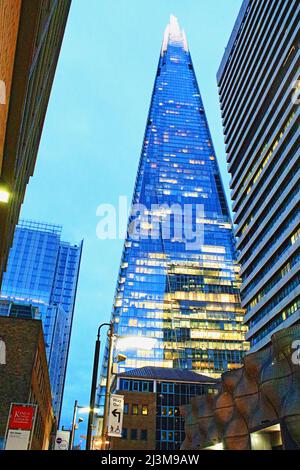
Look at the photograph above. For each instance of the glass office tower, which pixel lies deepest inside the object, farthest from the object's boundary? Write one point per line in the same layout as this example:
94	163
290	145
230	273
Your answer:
42	272
178	282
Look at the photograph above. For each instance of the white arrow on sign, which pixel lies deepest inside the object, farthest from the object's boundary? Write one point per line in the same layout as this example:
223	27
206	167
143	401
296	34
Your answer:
115	417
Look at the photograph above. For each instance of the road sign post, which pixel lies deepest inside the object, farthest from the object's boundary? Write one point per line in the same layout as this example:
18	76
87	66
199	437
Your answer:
115	417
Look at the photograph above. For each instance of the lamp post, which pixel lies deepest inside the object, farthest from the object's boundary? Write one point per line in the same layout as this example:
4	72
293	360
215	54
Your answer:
94	381
127	342
73	425
73	429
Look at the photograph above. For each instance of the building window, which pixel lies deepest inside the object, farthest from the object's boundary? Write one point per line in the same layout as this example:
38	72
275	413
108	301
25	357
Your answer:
135	409
144	435
136	386
168	436
146	386
168	411
126	408
167	387
124	433
124	384
133	434
145	410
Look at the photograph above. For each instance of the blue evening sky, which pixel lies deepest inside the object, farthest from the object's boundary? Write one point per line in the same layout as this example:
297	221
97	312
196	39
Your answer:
93	135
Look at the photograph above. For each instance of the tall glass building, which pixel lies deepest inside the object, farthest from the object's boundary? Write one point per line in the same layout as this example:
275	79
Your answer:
178	282
259	94
42	272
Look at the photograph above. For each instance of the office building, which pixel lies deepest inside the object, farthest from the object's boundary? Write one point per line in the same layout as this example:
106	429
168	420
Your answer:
42	273
30	41
179	279
259	93
152	397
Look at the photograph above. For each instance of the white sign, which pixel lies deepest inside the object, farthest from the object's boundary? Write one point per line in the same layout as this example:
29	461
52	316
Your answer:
62	440
2	352
115	417
17	440
2	92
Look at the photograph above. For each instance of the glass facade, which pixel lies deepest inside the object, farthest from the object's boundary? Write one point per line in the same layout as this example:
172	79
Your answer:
42	272
170	426
179	280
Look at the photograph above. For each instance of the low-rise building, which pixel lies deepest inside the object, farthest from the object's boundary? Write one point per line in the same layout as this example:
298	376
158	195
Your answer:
152	397
24	376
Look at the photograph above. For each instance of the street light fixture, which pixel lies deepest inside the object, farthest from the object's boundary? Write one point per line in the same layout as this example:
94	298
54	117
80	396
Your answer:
4	192
74	423
135	342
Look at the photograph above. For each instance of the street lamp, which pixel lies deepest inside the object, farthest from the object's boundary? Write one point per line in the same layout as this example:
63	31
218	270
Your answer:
4	192
135	342
95	377
80	420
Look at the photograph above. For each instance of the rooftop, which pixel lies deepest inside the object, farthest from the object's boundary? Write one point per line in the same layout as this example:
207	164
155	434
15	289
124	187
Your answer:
40	226
233	38
162	373
174	35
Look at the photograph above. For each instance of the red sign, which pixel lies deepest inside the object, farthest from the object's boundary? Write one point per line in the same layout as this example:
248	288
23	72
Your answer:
21	417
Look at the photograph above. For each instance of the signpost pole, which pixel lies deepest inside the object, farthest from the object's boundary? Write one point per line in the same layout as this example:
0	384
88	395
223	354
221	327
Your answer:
108	384
33	426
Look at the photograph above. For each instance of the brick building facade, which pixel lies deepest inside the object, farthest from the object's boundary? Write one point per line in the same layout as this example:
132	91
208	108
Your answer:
24	376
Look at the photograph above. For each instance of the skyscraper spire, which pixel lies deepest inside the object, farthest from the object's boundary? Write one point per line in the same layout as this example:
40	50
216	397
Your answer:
178	282
174	35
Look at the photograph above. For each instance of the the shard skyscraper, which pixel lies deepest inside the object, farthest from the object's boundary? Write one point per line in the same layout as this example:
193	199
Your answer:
178	281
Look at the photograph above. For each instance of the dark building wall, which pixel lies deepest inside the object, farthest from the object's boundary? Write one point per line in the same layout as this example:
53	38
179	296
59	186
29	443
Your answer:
8	40
24	377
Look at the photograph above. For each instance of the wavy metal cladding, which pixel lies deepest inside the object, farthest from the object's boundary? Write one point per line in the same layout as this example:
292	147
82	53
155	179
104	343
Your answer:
265	392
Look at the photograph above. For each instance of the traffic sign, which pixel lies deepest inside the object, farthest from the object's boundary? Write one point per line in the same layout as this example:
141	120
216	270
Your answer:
62	440
115	417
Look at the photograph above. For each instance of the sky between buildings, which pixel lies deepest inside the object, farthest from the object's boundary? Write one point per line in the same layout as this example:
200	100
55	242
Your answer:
93	136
